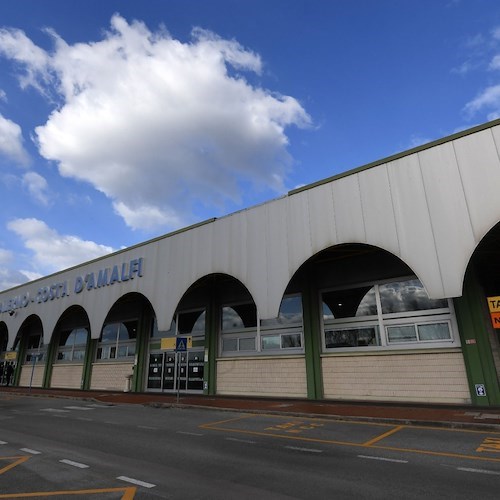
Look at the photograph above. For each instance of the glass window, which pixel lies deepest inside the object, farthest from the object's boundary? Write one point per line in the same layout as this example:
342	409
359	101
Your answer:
352	337
118	340
350	303
291	341
271	342
402	333
404	296
72	344
191	323
351	317
290	313
434	331
237	317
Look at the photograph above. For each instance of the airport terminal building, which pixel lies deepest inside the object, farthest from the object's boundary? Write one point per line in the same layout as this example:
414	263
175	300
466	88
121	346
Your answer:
378	284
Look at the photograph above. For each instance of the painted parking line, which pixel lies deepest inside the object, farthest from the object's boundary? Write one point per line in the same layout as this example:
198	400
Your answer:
128	493
14	462
384	459
434	441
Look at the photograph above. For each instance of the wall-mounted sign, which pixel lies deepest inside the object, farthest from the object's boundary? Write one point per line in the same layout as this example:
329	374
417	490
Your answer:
103	277
494	307
172	343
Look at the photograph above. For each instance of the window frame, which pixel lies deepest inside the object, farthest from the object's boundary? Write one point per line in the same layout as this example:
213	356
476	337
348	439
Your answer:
383	321
116	345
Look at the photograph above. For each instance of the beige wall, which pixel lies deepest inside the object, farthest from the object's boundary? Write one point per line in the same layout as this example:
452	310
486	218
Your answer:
26	371
110	376
278	377
413	377
67	376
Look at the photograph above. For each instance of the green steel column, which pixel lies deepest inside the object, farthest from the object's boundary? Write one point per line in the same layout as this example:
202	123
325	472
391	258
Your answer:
471	317
90	352
19	362
212	319
142	342
50	356
312	342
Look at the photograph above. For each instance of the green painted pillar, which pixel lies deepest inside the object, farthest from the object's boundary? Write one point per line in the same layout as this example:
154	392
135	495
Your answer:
212	321
472	317
312	342
90	352
50	356
142	342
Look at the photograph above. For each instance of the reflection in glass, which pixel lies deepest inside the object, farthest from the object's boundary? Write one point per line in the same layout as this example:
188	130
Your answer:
402	333
349	303
352	337
404	296
238	317
434	331
290	312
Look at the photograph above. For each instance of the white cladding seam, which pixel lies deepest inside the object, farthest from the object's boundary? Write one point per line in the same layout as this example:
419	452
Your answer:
429	208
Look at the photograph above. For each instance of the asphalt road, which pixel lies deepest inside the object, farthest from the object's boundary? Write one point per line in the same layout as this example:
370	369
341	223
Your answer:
79	449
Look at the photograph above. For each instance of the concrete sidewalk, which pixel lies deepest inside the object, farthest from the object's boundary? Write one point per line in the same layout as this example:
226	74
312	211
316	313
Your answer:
467	417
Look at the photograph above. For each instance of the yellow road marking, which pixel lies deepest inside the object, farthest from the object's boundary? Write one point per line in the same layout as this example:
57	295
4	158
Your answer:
359	445
384	435
128	493
243	417
17	461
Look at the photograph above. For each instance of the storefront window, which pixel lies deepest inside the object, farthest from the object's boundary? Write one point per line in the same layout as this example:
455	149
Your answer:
117	340
72	345
385	314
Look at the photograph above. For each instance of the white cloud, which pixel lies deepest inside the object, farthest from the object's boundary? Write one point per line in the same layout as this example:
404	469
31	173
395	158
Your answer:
495	62
52	251
37	187
11	142
489	98
159	125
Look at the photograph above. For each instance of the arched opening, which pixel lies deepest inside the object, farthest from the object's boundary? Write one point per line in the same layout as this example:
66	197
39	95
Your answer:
32	353
115	355
69	347
366	316
217	315
477	321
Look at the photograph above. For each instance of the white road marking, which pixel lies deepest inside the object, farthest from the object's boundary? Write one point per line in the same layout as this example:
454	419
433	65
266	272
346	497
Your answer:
383	459
3	442
190	433
54	410
298	448
74	464
479	471
85	408
240	440
136	481
32	452
85	419
147	427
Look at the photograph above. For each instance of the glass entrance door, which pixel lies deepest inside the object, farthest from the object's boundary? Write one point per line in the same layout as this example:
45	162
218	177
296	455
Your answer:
169	371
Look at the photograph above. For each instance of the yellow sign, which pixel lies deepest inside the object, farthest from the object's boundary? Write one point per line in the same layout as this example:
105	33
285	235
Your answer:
170	343
494	304
10	356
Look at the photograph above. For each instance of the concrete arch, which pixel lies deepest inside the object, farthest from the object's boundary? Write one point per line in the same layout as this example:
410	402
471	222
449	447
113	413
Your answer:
173	303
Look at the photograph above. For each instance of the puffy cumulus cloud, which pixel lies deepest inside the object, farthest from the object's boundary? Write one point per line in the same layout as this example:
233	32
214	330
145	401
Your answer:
11	142
37	187
51	250
158	125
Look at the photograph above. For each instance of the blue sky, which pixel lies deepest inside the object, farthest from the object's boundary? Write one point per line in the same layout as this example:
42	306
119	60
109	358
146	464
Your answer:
123	120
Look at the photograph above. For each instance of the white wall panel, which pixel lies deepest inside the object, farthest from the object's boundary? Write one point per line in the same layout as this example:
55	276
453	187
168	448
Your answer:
450	220
257	256
413	224
321	218
298	231
378	213
278	275
348	212
479	167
